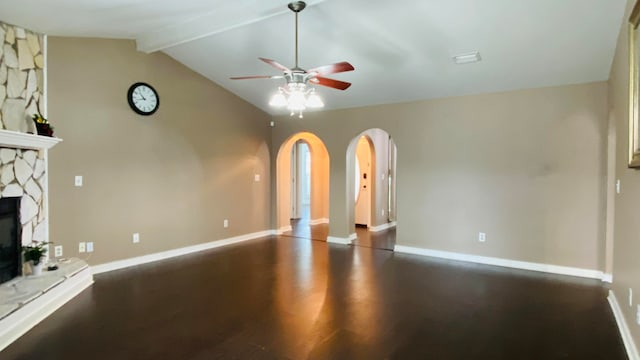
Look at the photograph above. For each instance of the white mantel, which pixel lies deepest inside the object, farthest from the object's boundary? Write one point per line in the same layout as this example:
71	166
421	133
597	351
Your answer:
19	140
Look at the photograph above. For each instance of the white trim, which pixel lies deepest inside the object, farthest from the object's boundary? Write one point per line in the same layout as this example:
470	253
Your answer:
319	221
627	338
28	316
339	240
384	226
45	72
554	269
608	278
139	260
284	229
20	140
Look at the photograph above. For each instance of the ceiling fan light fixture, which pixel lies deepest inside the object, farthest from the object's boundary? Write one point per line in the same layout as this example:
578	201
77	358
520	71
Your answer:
314	101
278	100
297	101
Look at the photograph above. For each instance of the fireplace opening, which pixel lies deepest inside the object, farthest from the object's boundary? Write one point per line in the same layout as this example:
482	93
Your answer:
10	242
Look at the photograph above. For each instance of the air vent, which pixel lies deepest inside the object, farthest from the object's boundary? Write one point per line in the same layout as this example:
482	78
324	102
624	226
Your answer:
467	58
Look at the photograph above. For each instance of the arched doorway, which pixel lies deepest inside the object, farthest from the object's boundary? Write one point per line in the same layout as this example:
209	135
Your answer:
371	188
302	186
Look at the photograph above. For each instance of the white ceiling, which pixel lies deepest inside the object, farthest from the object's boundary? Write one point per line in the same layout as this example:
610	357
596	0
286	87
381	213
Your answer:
401	50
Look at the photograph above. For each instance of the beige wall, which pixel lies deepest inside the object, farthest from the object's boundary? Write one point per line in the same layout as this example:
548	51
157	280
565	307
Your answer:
626	267
526	167
173	177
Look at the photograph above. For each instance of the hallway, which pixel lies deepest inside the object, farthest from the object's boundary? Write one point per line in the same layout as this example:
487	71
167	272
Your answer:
288	298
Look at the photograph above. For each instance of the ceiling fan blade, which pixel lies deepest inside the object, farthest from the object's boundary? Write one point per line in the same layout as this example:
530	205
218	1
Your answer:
332	69
256	77
276	64
332	83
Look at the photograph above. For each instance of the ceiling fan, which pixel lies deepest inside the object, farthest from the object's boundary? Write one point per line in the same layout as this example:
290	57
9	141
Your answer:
295	96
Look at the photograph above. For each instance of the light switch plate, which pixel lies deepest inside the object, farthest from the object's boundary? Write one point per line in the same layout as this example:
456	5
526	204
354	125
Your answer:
225	223
482	237
136	238
78	180
256	177
90	247
82	247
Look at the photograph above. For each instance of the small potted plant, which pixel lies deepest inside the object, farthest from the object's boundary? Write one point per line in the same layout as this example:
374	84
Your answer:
34	255
42	125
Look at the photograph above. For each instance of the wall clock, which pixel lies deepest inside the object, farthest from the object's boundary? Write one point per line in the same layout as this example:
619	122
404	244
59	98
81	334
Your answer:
143	98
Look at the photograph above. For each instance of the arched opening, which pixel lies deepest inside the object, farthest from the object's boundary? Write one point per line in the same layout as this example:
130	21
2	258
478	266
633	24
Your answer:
371	188
302	186
365	163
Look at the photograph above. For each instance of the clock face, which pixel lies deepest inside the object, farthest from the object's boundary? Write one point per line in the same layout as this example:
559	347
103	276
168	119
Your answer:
143	99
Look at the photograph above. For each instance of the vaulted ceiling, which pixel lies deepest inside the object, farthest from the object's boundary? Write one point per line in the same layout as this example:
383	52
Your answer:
402	51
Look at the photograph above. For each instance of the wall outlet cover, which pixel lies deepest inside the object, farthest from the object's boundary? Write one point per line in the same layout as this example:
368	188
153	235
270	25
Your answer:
78	180
57	251
482	237
136	238
82	247
90	247
225	223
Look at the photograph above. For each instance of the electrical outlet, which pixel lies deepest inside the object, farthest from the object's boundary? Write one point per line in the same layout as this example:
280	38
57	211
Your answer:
136	238
256	177
638	315
272	124
482	237
225	223
630	297
82	247
618	186
90	247
78	180
57	250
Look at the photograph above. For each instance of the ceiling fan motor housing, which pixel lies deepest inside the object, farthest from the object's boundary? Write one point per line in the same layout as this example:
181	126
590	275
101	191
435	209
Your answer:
297	6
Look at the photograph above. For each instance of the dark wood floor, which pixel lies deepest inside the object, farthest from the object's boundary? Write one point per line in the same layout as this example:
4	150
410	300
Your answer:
301	228
289	298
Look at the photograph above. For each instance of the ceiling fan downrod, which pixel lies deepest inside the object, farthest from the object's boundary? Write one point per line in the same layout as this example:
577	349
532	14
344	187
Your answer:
296	7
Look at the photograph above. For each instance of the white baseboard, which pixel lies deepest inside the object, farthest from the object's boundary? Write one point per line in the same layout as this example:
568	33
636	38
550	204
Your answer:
283	230
627	338
120	264
340	240
28	316
319	221
554	269
381	227
608	278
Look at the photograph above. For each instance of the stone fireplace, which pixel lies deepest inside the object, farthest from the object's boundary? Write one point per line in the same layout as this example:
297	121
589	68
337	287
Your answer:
27	300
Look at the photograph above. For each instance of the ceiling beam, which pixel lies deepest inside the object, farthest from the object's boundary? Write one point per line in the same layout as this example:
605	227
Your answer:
206	25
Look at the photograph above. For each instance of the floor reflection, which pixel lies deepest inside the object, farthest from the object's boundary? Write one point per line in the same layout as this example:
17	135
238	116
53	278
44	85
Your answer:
302	228
384	240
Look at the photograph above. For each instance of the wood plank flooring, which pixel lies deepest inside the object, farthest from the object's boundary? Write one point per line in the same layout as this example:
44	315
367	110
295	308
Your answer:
289	298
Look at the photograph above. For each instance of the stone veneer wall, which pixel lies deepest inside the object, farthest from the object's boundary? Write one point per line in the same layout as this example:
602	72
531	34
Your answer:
21	78
23	172
23	175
